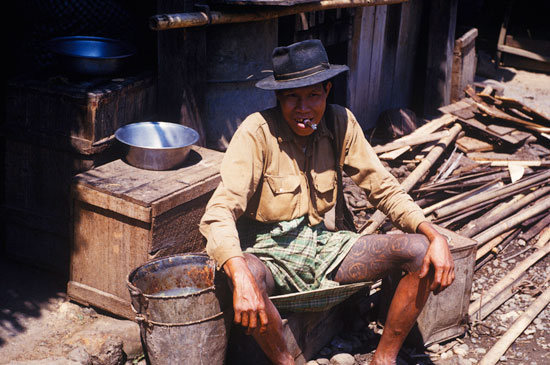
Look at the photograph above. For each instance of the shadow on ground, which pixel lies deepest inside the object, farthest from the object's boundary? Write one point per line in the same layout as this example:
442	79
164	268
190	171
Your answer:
24	292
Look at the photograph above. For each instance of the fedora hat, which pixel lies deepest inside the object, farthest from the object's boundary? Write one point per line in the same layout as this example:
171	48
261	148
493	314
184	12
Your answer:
300	64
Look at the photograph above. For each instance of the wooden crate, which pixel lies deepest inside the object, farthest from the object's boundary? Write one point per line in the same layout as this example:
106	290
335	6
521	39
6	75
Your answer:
54	129
77	115
125	216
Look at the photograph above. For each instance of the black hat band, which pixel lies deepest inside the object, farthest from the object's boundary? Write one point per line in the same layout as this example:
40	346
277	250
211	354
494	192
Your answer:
302	73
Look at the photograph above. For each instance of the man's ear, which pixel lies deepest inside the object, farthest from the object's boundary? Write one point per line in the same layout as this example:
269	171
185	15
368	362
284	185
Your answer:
328	86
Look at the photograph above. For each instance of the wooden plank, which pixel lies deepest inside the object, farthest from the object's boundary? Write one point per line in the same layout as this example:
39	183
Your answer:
499	129
411	141
464	108
524	53
106	247
469	144
88	295
156	188
464	64
482	128
112	203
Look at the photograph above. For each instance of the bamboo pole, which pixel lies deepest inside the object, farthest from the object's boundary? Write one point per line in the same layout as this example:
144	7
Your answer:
517	328
512	221
197	19
544	176
482	251
508	279
378	217
489	307
483	188
500	212
543	238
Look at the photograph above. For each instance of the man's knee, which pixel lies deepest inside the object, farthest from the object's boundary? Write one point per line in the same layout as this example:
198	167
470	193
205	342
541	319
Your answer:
416	249
263	277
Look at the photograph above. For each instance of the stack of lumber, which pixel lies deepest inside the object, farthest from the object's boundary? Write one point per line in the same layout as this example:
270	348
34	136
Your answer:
481	169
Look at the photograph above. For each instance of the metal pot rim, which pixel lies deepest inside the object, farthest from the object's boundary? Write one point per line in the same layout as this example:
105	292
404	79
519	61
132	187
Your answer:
129	49
121	130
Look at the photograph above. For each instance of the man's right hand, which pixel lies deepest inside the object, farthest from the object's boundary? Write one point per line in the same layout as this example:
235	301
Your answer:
248	302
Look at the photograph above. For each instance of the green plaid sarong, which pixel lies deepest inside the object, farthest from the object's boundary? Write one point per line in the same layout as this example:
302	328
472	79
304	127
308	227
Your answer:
301	258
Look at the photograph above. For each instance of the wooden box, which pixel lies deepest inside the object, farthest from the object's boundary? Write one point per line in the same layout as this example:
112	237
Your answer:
125	216
54	129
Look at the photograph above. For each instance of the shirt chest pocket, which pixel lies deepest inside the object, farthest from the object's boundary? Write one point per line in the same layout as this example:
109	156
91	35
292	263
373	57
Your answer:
280	197
325	189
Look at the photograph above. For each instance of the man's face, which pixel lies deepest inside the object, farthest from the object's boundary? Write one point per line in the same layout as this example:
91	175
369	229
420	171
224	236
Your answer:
303	103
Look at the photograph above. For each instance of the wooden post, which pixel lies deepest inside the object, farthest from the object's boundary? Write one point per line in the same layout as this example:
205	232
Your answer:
441	39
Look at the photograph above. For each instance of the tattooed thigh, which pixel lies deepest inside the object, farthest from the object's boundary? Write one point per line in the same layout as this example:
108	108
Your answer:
375	256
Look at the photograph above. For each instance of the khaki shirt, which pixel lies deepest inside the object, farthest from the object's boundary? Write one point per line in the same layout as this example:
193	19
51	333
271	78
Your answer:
268	177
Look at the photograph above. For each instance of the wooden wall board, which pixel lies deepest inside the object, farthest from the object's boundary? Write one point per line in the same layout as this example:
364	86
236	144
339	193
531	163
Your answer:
441	39
360	62
407	44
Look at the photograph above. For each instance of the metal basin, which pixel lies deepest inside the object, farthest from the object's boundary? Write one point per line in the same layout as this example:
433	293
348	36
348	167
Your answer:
156	145
93	56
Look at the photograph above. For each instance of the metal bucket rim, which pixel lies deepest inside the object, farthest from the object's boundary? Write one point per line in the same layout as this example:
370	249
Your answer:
138	290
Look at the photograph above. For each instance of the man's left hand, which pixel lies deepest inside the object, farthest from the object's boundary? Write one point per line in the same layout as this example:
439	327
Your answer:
439	256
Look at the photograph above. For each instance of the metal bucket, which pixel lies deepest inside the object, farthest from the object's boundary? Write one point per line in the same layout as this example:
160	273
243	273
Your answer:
184	316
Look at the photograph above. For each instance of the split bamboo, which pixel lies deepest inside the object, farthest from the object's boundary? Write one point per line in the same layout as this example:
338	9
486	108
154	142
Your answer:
501	212
482	251
378	217
197	19
489	307
518	186
512	221
517	328
508	279
481	189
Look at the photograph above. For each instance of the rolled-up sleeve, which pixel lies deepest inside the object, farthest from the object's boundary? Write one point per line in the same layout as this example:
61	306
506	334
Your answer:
383	190
240	172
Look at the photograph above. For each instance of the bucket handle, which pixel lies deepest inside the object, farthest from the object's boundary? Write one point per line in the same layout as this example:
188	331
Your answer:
143	319
135	292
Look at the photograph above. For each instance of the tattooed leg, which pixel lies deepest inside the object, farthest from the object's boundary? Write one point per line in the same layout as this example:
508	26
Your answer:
374	257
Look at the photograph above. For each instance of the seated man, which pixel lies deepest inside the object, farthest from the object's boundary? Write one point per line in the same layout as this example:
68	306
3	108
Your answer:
279	179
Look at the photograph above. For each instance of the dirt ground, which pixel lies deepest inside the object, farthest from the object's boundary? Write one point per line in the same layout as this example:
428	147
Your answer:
39	326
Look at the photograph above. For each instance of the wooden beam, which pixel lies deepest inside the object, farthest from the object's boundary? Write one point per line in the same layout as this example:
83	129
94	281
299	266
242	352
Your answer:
197	19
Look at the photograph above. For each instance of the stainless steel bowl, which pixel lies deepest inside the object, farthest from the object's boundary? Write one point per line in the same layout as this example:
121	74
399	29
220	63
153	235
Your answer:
93	56
156	145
